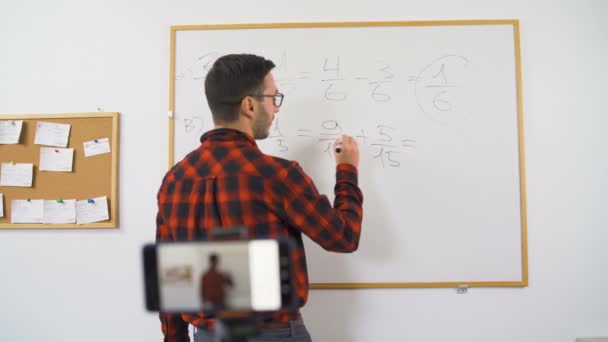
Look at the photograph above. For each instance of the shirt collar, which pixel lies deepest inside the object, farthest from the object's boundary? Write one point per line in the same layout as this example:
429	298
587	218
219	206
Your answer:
227	135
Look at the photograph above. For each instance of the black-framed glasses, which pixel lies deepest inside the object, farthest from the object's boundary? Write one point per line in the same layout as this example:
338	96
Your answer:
277	99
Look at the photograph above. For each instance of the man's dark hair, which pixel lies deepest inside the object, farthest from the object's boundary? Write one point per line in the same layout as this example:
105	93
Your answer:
231	78
213	258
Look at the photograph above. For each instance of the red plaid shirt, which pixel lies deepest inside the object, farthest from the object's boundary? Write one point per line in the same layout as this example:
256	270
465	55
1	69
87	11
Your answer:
229	182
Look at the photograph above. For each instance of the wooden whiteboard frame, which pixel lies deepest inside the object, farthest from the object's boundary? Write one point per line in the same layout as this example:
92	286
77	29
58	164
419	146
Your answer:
522	179
112	196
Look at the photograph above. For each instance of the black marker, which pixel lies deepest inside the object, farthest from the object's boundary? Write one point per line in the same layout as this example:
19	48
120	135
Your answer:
338	148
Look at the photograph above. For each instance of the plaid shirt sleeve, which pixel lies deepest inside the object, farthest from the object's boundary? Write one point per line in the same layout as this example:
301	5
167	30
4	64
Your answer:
336	228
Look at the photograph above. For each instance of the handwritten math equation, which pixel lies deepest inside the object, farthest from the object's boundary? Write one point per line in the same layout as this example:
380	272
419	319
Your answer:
386	144
439	88
335	82
329	71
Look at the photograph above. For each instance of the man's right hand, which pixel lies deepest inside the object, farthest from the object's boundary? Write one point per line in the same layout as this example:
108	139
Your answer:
348	150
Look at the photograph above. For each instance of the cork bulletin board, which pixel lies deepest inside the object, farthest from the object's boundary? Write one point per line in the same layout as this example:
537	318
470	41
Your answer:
91	177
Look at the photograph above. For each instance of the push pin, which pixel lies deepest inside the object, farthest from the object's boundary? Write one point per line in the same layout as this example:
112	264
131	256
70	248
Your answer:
56	151
96	141
59	200
90	201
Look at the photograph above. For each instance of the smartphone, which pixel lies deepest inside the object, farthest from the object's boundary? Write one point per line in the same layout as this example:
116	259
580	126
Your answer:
218	276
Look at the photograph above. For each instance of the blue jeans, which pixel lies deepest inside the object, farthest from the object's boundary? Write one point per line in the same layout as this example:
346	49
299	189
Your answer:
296	332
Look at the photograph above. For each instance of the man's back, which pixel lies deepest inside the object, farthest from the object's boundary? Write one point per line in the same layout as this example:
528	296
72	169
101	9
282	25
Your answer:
226	182
229	182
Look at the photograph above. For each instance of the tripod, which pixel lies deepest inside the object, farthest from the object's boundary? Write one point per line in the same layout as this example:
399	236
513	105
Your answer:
235	326
235	329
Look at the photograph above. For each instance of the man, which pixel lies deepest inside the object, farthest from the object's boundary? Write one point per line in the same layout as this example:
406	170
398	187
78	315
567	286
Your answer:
227	181
213	285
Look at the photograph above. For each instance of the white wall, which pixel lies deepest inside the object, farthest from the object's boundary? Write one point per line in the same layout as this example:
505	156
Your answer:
76	56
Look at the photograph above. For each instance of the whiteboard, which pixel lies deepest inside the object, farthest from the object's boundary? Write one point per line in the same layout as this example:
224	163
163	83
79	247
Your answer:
436	109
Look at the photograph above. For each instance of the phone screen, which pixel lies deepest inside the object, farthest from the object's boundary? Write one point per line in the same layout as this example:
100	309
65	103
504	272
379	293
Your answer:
217	276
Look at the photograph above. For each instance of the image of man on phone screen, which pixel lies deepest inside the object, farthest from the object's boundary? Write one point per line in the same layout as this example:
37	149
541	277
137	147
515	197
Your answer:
214	284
